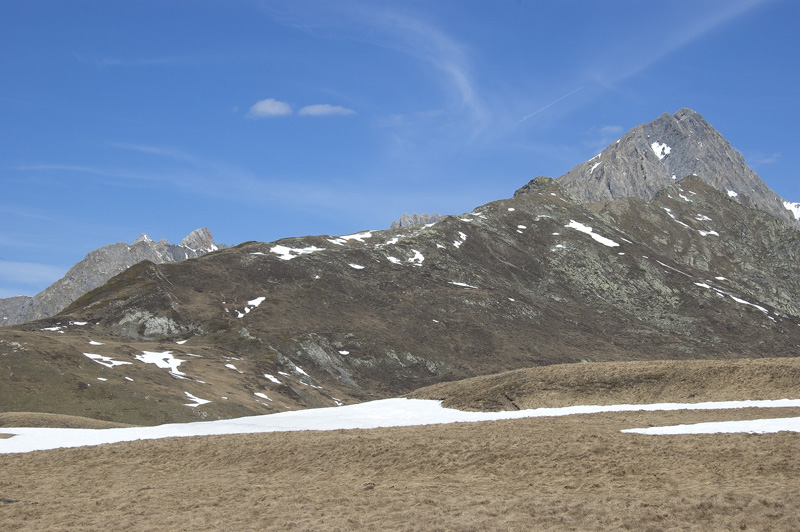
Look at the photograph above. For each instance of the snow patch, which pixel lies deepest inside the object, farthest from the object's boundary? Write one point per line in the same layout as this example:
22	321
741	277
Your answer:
256	302
105	361
794	208
163	360
287	253
732	194
669	211
359	237
588	230
262	395
197	400
751	426
356	266
661	150
272	378
417	258
252	304
465	285
674	269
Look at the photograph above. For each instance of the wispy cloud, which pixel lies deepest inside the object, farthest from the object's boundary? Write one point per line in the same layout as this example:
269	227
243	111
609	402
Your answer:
153	150
551	104
759	158
401	30
431	44
269	107
325	109
99	60
110	176
631	60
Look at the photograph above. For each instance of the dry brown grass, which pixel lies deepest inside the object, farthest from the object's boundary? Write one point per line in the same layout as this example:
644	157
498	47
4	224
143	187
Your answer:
606	383
559	474
573	473
38	419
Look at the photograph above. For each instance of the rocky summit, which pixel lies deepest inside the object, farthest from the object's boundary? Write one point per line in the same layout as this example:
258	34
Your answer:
98	267
547	276
652	156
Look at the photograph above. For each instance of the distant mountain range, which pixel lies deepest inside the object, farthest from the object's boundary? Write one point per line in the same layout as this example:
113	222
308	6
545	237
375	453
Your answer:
614	261
98	267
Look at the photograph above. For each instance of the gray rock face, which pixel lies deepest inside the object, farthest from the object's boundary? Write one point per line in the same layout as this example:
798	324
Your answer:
98	267
651	157
415	219
199	240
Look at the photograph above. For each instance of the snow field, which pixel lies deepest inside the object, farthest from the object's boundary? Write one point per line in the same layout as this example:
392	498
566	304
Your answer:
374	414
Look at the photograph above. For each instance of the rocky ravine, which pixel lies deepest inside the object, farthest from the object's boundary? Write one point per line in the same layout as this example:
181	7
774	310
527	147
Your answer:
98	267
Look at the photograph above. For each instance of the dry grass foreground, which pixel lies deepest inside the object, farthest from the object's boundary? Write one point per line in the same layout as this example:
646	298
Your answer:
569	473
573	473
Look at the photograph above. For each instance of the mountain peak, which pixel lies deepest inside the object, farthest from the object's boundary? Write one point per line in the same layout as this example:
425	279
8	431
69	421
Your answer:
98	267
200	239
143	238
653	156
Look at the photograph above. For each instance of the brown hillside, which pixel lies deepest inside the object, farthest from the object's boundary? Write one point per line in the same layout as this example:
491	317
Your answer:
607	383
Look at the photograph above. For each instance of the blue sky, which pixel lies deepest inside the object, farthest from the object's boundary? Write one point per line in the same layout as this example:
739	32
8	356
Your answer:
263	120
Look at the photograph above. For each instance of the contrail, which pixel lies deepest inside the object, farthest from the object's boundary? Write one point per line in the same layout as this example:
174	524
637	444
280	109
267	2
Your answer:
549	105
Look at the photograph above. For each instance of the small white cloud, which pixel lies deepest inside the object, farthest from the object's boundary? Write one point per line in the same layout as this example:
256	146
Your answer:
324	109
269	107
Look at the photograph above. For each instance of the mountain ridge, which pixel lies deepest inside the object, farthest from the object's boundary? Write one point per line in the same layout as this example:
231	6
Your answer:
537	279
96	268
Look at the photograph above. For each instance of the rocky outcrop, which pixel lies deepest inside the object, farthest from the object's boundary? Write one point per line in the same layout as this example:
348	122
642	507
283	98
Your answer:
653	156
98	267
412	220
